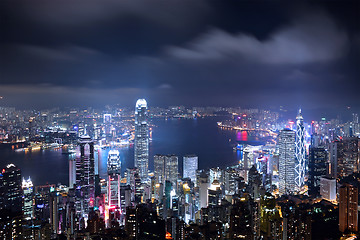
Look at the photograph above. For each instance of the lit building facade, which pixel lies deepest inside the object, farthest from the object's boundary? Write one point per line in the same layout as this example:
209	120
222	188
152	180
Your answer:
190	166
113	191
300	151
286	143
141	147
85	177
317	168
27	187
166	167
348	208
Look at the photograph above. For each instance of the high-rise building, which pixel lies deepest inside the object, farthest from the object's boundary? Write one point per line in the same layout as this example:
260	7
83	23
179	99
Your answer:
300	151
317	168
348	208
113	191
159	168
347	156
171	168
141	147
27	187
328	188
85	177
190	166
166	168
11	193
286	143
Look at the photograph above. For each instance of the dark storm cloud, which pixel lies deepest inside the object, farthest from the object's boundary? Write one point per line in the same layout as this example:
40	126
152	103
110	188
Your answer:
314	38
176	52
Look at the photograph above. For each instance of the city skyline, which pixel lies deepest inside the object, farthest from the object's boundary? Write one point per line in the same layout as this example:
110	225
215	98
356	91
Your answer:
181	119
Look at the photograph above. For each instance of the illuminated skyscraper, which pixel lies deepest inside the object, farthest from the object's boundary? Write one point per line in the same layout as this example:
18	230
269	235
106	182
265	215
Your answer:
10	189
166	168
348	208
141	139
159	168
27	187
107	124
114	178
190	166
317	168
85	177
286	143
300	151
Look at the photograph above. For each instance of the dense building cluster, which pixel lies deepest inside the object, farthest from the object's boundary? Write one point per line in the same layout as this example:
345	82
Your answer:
302	183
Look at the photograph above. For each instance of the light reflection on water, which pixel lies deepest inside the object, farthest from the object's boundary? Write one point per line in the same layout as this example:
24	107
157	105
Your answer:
185	136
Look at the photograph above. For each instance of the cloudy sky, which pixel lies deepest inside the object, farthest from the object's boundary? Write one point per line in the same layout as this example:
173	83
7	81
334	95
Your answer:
228	53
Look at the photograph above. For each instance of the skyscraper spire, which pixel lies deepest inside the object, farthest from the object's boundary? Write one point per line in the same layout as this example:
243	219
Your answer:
300	151
141	139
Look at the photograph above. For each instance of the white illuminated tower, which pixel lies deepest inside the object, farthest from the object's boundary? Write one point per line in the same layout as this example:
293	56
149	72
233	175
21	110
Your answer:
141	139
190	166
113	191
300	151
286	144
27	187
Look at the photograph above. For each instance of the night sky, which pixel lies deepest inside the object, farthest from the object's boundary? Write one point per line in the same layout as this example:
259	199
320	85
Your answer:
172	52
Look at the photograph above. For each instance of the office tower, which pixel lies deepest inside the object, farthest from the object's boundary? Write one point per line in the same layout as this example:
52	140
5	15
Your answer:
190	166
203	183
107	124
300	151
11	193
166	168
171	169
317	169
347	156
286	142
27	188
230	177
113	190
54	213
159	168
85	177
141	147
348	208
254	183
72	172
328	188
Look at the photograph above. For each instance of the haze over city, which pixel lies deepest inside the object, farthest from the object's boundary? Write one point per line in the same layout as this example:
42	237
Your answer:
194	53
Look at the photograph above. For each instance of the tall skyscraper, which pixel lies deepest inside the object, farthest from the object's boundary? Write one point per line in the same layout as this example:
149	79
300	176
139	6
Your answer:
317	168
347	156
286	143
10	190
190	166
159	168
300	151
171	168
166	168
85	177
114	178
141	139
348	208
27	187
